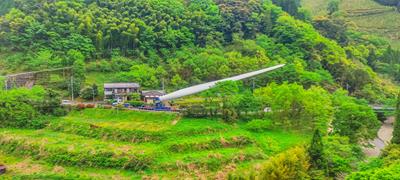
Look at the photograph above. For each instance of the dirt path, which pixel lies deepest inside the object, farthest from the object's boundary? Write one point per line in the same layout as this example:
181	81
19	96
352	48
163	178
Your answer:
176	120
384	137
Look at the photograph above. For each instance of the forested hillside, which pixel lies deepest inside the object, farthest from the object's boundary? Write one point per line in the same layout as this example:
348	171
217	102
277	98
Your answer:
310	119
185	43
367	16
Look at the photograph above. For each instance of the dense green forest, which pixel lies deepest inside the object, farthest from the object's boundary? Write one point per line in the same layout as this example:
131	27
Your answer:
332	76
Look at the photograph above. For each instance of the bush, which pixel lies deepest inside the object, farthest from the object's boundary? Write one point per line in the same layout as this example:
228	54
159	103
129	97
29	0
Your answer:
61	111
107	107
238	141
80	106
92	131
39	123
259	125
90	105
87	93
82	157
136	103
20	108
292	164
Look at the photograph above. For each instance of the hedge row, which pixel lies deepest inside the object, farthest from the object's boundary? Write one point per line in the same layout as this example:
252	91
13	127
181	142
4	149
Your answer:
238	141
79	158
93	131
198	131
211	161
126	135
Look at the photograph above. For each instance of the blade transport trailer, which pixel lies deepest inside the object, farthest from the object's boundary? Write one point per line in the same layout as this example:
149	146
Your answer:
203	87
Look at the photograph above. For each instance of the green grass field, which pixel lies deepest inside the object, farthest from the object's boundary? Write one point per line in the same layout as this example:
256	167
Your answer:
365	16
107	144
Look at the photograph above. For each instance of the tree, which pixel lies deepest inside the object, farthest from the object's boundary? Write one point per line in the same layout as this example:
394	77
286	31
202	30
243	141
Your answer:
354	119
79	77
178	82
135	97
293	106
95	90
87	93
396	129
333	6
22	108
140	73
290	6
226	91
248	103
341	155
316	151
293	164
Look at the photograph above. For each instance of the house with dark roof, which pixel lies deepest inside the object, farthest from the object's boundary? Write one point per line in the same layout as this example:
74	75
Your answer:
151	95
120	91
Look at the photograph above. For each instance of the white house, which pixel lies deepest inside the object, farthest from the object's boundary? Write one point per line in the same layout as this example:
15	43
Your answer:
120	91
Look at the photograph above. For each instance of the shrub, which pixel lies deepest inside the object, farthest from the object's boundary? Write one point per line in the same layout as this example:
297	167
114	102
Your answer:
20	108
80	106
90	105
136	103
87	93
238	141
292	164
62	111
75	157
107	107
92	131
259	125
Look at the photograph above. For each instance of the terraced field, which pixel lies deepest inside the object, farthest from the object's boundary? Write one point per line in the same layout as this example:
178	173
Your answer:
109	144
365	16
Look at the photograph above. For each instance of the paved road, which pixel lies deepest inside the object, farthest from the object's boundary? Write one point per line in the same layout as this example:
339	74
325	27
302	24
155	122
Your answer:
384	137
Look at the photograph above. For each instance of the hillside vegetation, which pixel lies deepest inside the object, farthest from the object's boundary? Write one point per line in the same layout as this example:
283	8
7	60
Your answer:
365	16
307	120
141	142
182	43
5	6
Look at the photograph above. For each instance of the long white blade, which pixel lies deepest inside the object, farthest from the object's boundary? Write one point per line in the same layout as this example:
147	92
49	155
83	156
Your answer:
202	87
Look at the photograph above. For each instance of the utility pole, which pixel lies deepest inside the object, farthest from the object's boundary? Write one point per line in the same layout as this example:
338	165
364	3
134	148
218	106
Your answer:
72	88
163	85
5	83
93	94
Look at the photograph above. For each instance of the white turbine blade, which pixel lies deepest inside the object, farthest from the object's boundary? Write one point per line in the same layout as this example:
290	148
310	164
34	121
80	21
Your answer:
202	87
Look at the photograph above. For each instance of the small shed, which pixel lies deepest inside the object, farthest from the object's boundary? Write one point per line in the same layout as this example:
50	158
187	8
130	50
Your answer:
151	95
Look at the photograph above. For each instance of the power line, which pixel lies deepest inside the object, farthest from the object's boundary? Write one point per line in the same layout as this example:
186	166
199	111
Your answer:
35	72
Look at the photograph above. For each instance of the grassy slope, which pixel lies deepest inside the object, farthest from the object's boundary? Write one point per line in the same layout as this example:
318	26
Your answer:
189	148
27	168
385	23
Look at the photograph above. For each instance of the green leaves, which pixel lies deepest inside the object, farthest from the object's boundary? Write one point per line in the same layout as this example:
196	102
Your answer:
21	108
293	106
353	119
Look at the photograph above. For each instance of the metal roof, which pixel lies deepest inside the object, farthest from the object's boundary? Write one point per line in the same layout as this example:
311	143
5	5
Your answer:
121	85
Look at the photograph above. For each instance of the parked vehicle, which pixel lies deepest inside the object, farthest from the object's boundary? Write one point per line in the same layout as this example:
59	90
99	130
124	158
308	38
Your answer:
66	102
